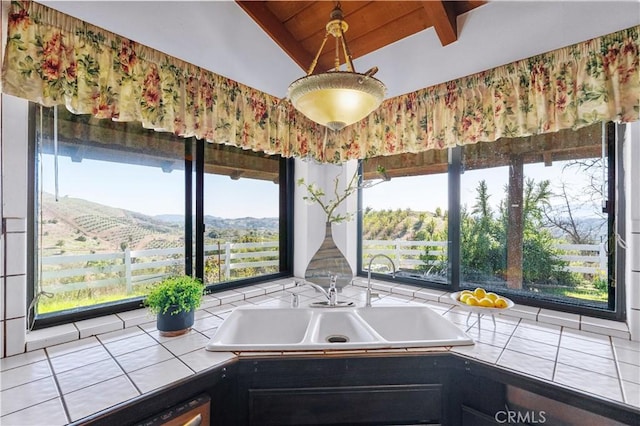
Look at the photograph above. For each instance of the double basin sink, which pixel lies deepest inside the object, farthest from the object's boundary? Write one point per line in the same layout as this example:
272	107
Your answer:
290	329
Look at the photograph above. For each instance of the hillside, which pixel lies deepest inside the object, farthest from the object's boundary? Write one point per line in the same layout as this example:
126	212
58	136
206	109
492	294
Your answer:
404	225
76	226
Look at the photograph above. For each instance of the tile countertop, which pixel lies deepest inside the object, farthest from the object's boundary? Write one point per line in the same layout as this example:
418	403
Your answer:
76	370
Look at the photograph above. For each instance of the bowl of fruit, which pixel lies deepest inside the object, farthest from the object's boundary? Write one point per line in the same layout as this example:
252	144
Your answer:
480	300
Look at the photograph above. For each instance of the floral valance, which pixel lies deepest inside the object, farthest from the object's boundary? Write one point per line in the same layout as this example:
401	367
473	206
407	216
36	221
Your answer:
54	59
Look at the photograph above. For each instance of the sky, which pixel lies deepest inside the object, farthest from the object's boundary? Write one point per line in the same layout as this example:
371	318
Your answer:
151	191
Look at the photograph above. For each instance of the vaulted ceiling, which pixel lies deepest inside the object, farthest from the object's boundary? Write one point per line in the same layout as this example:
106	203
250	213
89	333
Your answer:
298	27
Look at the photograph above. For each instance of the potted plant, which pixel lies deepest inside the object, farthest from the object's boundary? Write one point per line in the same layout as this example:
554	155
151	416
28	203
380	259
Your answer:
174	301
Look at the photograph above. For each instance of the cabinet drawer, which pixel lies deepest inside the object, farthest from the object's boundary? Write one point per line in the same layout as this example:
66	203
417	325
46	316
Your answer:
416	404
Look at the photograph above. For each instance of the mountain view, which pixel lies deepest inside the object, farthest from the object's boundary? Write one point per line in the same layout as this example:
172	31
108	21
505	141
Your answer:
76	226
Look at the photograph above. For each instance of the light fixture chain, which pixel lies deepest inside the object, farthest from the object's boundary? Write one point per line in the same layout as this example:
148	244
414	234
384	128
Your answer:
315	60
347	53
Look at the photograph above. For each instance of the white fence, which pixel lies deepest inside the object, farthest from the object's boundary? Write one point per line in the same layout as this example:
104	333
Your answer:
133	267
581	258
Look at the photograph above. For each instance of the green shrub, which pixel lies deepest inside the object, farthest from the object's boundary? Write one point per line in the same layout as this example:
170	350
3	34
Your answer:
181	293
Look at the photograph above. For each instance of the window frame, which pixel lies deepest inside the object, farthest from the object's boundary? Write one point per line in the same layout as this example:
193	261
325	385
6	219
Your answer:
616	225
285	200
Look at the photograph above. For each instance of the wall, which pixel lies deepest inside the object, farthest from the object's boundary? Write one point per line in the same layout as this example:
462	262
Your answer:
308	223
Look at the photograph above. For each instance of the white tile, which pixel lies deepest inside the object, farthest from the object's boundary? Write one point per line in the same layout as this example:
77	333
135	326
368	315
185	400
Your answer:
22	359
187	343
15	224
604	326
209	302
88	375
79	358
588	362
405	290
271	287
537	335
586	335
130	344
635	249
25	374
2	274
626	344
76	345
92	399
522	311
2	338
601	349
527	364
207	323
229	296
481	351
538	349
112	336
202	359
158	375
633	321
51	336
252	291
564	319
27	395
15	330
104	324
631	393
627	355
2	278
132	361
16	255
16	295
629	372
431	294
51	410
588	382
381	286
488	337
136	317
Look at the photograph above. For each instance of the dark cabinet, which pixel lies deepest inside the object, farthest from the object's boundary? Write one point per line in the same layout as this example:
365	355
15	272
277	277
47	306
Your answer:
344	391
352	405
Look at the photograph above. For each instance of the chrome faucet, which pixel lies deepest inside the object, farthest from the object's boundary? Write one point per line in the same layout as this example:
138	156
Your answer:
331	294
368	297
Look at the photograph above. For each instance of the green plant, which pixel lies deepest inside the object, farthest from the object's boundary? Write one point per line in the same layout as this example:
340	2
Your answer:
174	295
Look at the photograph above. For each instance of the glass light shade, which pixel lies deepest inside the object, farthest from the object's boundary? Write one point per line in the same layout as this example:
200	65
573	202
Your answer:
337	98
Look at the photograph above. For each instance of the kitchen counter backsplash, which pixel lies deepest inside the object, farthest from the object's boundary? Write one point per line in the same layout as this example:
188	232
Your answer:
76	370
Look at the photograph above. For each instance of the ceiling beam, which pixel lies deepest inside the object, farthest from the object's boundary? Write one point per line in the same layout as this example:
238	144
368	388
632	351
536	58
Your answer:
444	20
270	24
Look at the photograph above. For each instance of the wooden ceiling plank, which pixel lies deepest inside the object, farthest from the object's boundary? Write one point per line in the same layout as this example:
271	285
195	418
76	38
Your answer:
261	14
389	33
444	20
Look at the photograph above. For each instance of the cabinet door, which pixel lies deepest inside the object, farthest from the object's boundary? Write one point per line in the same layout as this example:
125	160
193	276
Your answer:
349	405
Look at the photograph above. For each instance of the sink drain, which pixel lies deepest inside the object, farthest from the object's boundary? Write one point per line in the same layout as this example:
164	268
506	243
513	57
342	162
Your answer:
337	338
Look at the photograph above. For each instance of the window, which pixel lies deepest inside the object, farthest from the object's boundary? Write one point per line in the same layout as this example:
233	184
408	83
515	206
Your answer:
406	218
114	214
531	218
532	222
241	214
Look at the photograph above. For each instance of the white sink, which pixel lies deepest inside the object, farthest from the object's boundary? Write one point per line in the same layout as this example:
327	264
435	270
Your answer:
283	329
